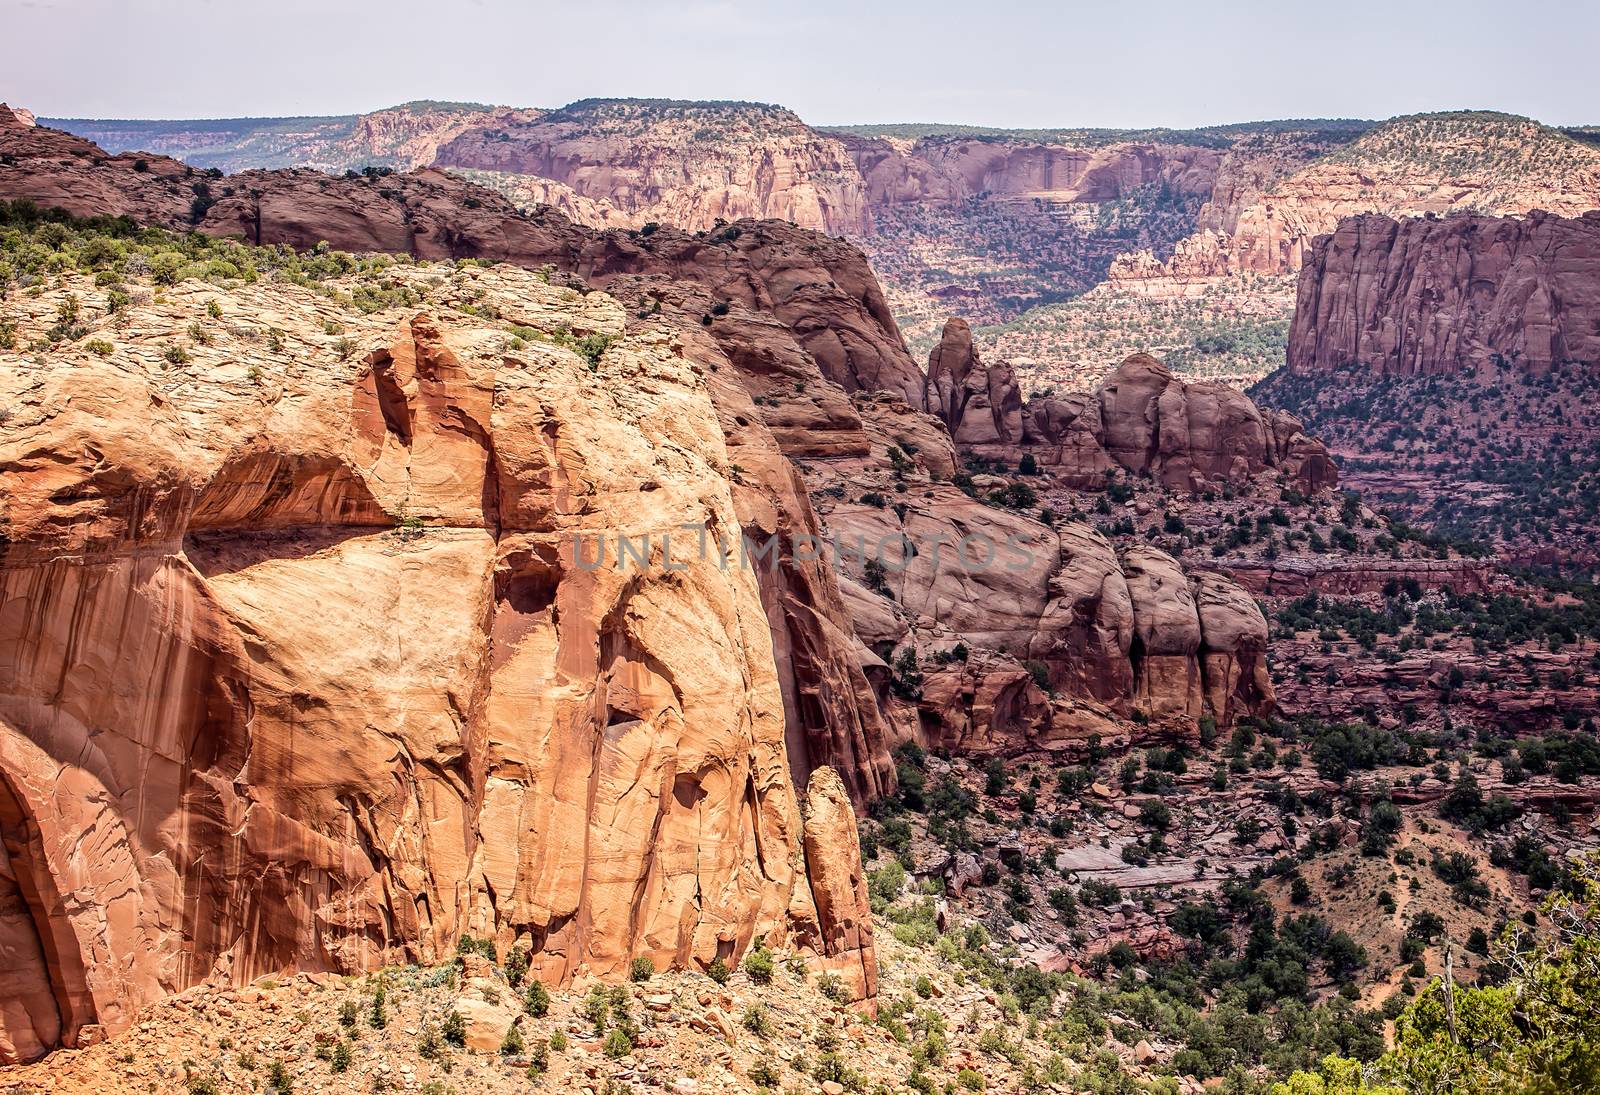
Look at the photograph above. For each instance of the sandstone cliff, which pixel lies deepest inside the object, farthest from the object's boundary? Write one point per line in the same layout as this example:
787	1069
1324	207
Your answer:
307	669
1143	420
210	537
684	164
1266	210
821	288
1426	296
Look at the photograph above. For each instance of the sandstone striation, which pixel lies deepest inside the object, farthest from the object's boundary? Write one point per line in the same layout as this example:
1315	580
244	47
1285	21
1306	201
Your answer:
305	670
821	288
1429	296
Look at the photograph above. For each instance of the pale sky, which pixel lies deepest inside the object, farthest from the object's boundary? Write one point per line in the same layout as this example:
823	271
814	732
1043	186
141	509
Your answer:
984	62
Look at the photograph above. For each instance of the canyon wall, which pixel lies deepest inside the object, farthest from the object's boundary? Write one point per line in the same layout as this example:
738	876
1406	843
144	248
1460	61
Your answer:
303	668
1438	295
628	162
308	661
1272	198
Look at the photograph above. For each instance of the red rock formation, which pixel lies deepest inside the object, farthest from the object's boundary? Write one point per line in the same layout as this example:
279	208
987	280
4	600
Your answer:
685	164
1143	420
816	314
982	406
821	288
1426	296
838	880
1271	199
252	725
1166	634
943	168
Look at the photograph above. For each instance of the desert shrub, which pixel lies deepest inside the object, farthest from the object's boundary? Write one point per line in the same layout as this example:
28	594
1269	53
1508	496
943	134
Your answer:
758	965
758	1021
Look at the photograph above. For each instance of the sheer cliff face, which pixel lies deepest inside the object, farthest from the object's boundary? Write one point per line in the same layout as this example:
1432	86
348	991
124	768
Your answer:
251	722
1441	295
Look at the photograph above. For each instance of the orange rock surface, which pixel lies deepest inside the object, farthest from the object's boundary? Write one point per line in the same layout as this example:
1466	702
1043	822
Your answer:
303	671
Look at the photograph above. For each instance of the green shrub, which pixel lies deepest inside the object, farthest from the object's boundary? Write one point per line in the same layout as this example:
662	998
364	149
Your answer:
454	1028
516	966
763	1075
758	965
538	1058
641	969
718	971
618	1044
511	1045
536	1002
834	988
757	1021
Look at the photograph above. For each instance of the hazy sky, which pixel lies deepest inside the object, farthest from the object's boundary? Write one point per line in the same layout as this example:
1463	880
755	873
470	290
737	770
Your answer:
989	62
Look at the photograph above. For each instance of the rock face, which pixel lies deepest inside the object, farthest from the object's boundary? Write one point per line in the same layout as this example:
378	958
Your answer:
1428	296
306	669
942	168
685	164
1143	420
1269	204
806	309
821	288
993	607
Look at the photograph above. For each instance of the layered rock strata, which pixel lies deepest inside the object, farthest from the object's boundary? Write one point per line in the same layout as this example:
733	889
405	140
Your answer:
1429	296
307	664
